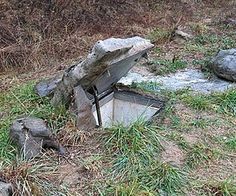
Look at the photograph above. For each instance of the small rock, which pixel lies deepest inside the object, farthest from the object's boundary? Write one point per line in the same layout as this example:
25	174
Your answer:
46	87
224	64
230	21
5	189
85	118
183	35
31	135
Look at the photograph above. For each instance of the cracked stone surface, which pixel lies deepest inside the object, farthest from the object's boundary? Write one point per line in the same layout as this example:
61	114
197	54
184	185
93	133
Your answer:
189	78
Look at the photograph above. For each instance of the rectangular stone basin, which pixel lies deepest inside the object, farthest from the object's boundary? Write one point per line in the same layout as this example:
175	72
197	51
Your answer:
125	107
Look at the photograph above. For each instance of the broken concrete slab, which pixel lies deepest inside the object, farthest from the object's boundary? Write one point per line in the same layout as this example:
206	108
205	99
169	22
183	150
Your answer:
109	60
31	135
190	78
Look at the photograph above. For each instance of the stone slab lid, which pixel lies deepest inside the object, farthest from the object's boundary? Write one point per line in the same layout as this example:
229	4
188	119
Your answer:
111	59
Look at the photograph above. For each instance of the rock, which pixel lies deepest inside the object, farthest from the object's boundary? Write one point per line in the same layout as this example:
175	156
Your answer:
5	189
224	64
31	135
230	21
85	118
47	87
183	35
112	52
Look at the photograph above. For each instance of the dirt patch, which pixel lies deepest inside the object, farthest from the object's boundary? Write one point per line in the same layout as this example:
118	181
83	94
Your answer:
217	170
172	154
191	138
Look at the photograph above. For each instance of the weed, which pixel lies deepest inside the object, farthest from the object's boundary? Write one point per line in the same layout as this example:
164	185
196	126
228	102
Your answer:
30	178
152	87
197	154
163	177
133	188
162	67
199	123
198	102
159	35
225	187
134	146
175	136
226	101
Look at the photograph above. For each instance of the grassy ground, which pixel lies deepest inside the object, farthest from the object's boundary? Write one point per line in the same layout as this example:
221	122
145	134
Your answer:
189	150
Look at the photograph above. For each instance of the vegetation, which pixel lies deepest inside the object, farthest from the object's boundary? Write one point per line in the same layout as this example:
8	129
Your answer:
120	160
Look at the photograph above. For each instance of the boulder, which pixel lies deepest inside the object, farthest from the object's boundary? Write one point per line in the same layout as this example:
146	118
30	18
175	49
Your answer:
5	189
224	64
31	135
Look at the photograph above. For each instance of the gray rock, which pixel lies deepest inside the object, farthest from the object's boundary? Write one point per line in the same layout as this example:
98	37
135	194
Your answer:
47	87
113	52
5	189
224	64
31	135
85	118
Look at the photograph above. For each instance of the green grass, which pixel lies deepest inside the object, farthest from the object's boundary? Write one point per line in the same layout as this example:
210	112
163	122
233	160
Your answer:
227	142
162	67
198	154
199	123
159	35
131	188
156	179
197	102
223	187
226	101
209	44
164	178
152	87
179	139
220	102
133	147
231	142
22	101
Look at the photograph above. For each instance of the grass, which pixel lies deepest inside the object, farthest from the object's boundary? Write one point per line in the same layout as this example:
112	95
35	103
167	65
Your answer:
31	178
226	101
197	102
162	67
179	139
208	44
164	178
231	142
221	187
199	123
199	153
159	178
227	141
159	35
22	101
133	147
